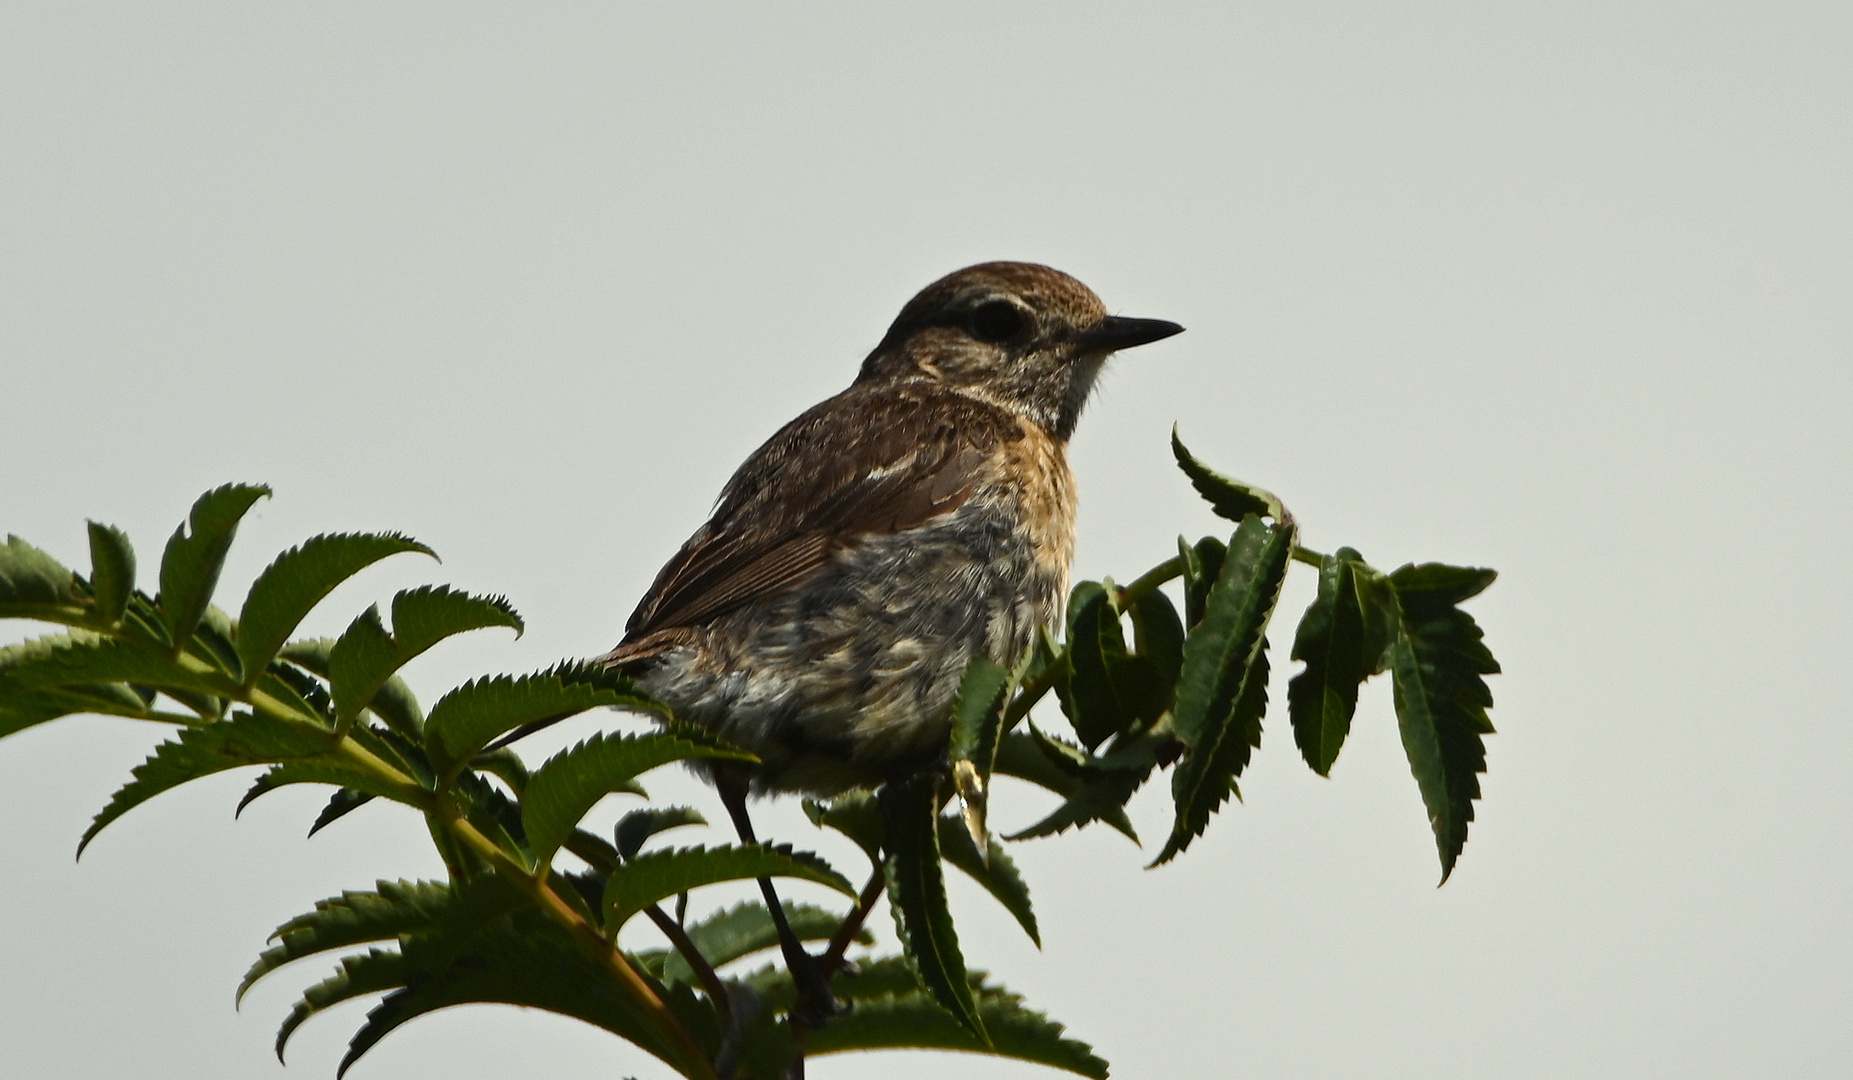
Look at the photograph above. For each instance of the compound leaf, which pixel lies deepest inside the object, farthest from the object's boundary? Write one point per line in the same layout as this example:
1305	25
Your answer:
658	875
977	724
365	973
33	585
424	616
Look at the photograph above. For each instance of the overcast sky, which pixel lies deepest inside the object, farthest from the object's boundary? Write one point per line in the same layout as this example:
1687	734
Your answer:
1561	289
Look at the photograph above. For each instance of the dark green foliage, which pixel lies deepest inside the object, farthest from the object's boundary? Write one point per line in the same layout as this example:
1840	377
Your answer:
1441	700
991	867
1221	690
638	826
112	574
353	918
977	724
1185	693
914	1021
469	717
1106	689
917	896
1331	641
745	929
855	815
33	585
244	739
1093	788
298	580
1230	498
195	554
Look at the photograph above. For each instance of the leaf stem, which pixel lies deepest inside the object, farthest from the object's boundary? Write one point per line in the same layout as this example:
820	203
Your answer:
1308	556
1151	579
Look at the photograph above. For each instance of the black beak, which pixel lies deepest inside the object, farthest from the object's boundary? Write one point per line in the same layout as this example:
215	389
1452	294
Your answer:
1119	332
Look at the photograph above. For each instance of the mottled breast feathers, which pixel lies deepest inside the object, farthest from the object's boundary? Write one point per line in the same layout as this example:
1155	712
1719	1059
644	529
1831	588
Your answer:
874	460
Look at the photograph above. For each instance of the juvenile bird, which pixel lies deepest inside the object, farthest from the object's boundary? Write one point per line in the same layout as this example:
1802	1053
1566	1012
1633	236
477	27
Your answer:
824	615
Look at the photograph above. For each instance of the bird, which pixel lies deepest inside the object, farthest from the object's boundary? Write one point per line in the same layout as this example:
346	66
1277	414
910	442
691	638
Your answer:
823	617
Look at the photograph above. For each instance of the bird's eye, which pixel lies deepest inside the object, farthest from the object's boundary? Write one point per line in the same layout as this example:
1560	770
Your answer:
997	321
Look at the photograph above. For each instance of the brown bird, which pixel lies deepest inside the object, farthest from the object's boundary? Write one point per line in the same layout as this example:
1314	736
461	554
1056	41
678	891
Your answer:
824	615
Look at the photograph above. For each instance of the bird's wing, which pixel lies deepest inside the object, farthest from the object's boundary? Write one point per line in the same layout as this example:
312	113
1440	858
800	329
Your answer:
868	462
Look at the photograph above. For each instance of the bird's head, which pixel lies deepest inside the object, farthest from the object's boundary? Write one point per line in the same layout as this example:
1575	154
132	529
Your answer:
1021	336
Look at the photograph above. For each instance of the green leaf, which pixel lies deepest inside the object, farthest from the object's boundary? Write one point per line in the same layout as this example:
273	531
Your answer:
914	1021
917	896
1020	754
362	659
636	827
992	868
33	585
1158	637
331	770
855	815
1095	645
298	580
1212	785
342	803
79	659
1230	498
1323	697
244	739
658	875
1202	568
1092	788
190	567
1436	664
1222	655
393	702
466	719
424	616
563	790
370	972
746	928
112	574
977	724
353	918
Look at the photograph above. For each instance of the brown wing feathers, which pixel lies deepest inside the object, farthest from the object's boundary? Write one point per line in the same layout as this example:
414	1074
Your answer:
870	461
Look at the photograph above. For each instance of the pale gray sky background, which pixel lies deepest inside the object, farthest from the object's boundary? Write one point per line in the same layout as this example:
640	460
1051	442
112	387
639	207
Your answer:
1561	289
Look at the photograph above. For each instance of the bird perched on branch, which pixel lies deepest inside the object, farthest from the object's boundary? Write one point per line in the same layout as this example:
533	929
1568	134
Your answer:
824	615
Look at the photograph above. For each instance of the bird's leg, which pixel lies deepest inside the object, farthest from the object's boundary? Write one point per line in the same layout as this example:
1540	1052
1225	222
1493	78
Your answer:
815	1004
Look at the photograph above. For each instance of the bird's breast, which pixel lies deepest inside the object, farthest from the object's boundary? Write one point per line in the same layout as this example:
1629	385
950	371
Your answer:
1037	465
